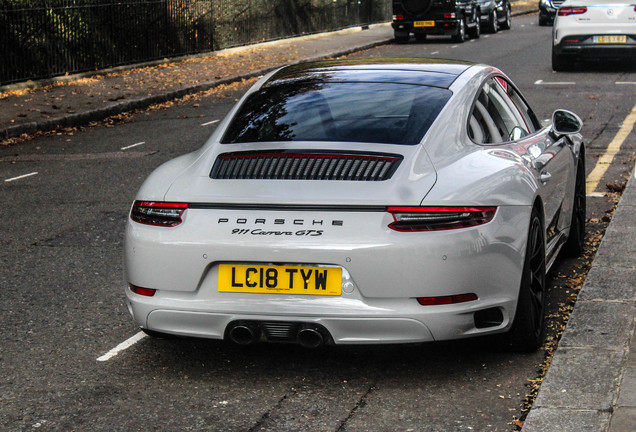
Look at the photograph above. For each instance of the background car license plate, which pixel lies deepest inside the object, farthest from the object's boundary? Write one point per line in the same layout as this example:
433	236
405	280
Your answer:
610	39
280	279
424	24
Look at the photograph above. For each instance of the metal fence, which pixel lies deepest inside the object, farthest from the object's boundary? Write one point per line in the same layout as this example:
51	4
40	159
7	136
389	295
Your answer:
46	38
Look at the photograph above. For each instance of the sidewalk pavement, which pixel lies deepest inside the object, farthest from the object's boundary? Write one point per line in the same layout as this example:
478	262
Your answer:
591	383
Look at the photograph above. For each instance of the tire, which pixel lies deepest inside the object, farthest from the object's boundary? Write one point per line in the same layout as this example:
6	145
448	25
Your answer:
508	22
576	240
542	21
560	63
401	37
475	32
460	37
528	328
493	25
420	37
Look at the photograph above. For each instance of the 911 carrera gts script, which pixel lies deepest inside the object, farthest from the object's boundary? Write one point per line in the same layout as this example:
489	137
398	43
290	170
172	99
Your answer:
260	232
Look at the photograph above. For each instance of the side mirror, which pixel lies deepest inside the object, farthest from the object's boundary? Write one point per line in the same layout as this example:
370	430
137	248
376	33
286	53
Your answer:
566	122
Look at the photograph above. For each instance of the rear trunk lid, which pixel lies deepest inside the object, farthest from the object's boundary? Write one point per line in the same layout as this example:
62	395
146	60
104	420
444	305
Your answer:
296	175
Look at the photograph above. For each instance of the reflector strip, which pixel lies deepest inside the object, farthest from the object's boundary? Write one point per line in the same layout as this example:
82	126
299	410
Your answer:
451	299
149	292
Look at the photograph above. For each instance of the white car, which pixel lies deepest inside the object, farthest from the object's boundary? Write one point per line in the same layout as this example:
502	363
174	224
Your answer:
361	202
593	29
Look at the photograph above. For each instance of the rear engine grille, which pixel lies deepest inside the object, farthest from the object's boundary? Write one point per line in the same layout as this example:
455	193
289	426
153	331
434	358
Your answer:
305	166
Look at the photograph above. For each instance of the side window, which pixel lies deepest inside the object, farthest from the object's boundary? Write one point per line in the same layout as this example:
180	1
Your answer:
499	114
481	126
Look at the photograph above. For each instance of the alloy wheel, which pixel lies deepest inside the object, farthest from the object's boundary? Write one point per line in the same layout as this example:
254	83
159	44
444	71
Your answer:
537	275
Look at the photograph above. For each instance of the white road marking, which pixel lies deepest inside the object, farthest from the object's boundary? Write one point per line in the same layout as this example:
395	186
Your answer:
541	82
210	122
122	346
603	162
454	46
21	177
625	83
133	145
435	52
595	194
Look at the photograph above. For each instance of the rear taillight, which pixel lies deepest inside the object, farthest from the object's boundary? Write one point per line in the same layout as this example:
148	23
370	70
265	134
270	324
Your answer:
449	15
398	17
439	218
444	300
166	214
577	10
148	292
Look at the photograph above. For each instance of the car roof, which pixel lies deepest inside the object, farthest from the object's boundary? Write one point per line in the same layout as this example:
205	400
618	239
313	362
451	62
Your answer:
417	71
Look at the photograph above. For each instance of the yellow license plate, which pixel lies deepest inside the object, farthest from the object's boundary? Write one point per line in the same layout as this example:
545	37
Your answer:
424	24
610	39
280	279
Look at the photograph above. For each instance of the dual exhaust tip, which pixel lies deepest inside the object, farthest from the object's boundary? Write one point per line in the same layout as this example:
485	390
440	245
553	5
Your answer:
305	335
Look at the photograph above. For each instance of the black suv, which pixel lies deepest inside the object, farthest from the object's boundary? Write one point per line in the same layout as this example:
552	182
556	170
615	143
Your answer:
456	18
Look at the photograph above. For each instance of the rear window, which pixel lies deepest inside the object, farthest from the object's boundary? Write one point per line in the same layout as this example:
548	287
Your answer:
338	111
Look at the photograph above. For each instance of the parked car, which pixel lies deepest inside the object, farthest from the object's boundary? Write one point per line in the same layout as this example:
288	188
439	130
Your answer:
593	29
362	201
495	15
547	11
456	18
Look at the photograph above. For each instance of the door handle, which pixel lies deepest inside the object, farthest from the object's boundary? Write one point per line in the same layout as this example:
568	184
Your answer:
545	176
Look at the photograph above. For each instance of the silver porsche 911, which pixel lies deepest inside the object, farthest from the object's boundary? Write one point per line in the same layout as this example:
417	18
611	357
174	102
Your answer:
362	202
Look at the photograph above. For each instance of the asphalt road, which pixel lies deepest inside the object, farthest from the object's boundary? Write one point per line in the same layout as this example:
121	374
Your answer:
65	200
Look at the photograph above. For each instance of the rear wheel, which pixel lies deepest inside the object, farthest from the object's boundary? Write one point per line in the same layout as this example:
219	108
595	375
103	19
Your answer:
461	32
401	37
420	37
576	240
508	22
475	32
493	25
560	63
528	328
